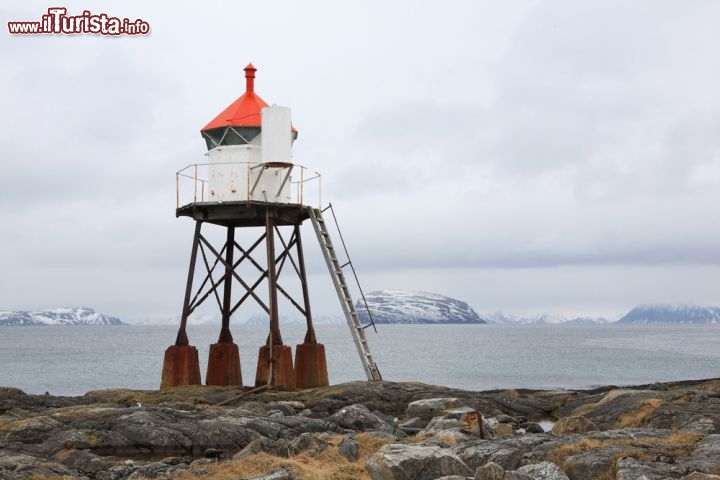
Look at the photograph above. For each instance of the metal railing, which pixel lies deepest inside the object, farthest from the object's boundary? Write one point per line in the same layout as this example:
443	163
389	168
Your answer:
192	183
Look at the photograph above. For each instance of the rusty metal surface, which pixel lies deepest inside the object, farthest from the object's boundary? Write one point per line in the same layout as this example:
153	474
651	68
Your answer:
275	336
222	275
182	334
180	367
279	369
225	335
224	365
310	366
245	213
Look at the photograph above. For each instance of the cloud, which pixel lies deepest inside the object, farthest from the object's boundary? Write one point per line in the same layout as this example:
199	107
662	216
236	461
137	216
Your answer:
480	141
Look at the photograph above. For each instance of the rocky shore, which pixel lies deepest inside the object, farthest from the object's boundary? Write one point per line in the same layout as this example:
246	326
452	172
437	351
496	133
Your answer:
365	430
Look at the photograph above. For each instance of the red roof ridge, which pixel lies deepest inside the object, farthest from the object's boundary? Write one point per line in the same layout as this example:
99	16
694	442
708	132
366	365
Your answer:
245	111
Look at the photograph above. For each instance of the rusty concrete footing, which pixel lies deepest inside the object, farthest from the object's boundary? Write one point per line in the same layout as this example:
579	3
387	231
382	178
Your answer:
224	365
310	366
283	375
180	367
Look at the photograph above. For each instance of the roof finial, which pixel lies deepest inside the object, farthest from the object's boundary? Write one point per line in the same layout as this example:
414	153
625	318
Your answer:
250	77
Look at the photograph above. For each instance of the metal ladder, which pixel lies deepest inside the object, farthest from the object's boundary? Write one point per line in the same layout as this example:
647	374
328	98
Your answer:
356	328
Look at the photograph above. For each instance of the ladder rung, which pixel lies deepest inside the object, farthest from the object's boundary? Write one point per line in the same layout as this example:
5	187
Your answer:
343	292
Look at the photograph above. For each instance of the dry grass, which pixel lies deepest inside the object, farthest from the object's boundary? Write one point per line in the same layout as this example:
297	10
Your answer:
448	438
676	445
38	476
328	465
636	419
559	455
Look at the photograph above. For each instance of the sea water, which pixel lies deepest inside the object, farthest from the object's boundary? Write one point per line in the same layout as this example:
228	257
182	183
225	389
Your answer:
74	360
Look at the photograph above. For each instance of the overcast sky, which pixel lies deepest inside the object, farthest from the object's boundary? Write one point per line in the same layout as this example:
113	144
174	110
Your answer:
522	156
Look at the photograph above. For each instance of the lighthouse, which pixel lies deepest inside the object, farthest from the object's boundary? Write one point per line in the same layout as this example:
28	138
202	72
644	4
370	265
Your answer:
250	182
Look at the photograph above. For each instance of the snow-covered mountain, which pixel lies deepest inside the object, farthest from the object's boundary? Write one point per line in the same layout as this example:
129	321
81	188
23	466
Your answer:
58	316
399	306
661	313
542	319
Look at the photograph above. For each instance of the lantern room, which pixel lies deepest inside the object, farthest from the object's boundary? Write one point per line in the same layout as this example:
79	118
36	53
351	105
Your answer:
249	150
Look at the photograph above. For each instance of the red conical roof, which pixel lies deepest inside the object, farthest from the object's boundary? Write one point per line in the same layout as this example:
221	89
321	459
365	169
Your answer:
243	112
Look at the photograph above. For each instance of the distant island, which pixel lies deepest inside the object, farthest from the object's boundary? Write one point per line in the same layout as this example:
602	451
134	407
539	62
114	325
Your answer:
394	307
58	316
663	314
403	307
413	307
542	319
655	314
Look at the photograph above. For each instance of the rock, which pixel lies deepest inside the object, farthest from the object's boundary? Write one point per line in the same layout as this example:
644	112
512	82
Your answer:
278	448
489	427
502	418
384	436
592	463
84	461
358	417
185	406
115	473
212	453
452	436
29	430
489	471
515	475
630	468
504	429
154	470
700	476
543	471
430	407
311	443
414	462
414	422
706	456
506	452
524	406
657	386
577	424
103	442
91	436
286	408
30	466
701	424
532	427
442	423
284	473
620	408
385	418
349	448
303	424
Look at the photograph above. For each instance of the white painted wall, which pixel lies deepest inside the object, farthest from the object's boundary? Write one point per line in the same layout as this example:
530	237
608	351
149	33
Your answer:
231	175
